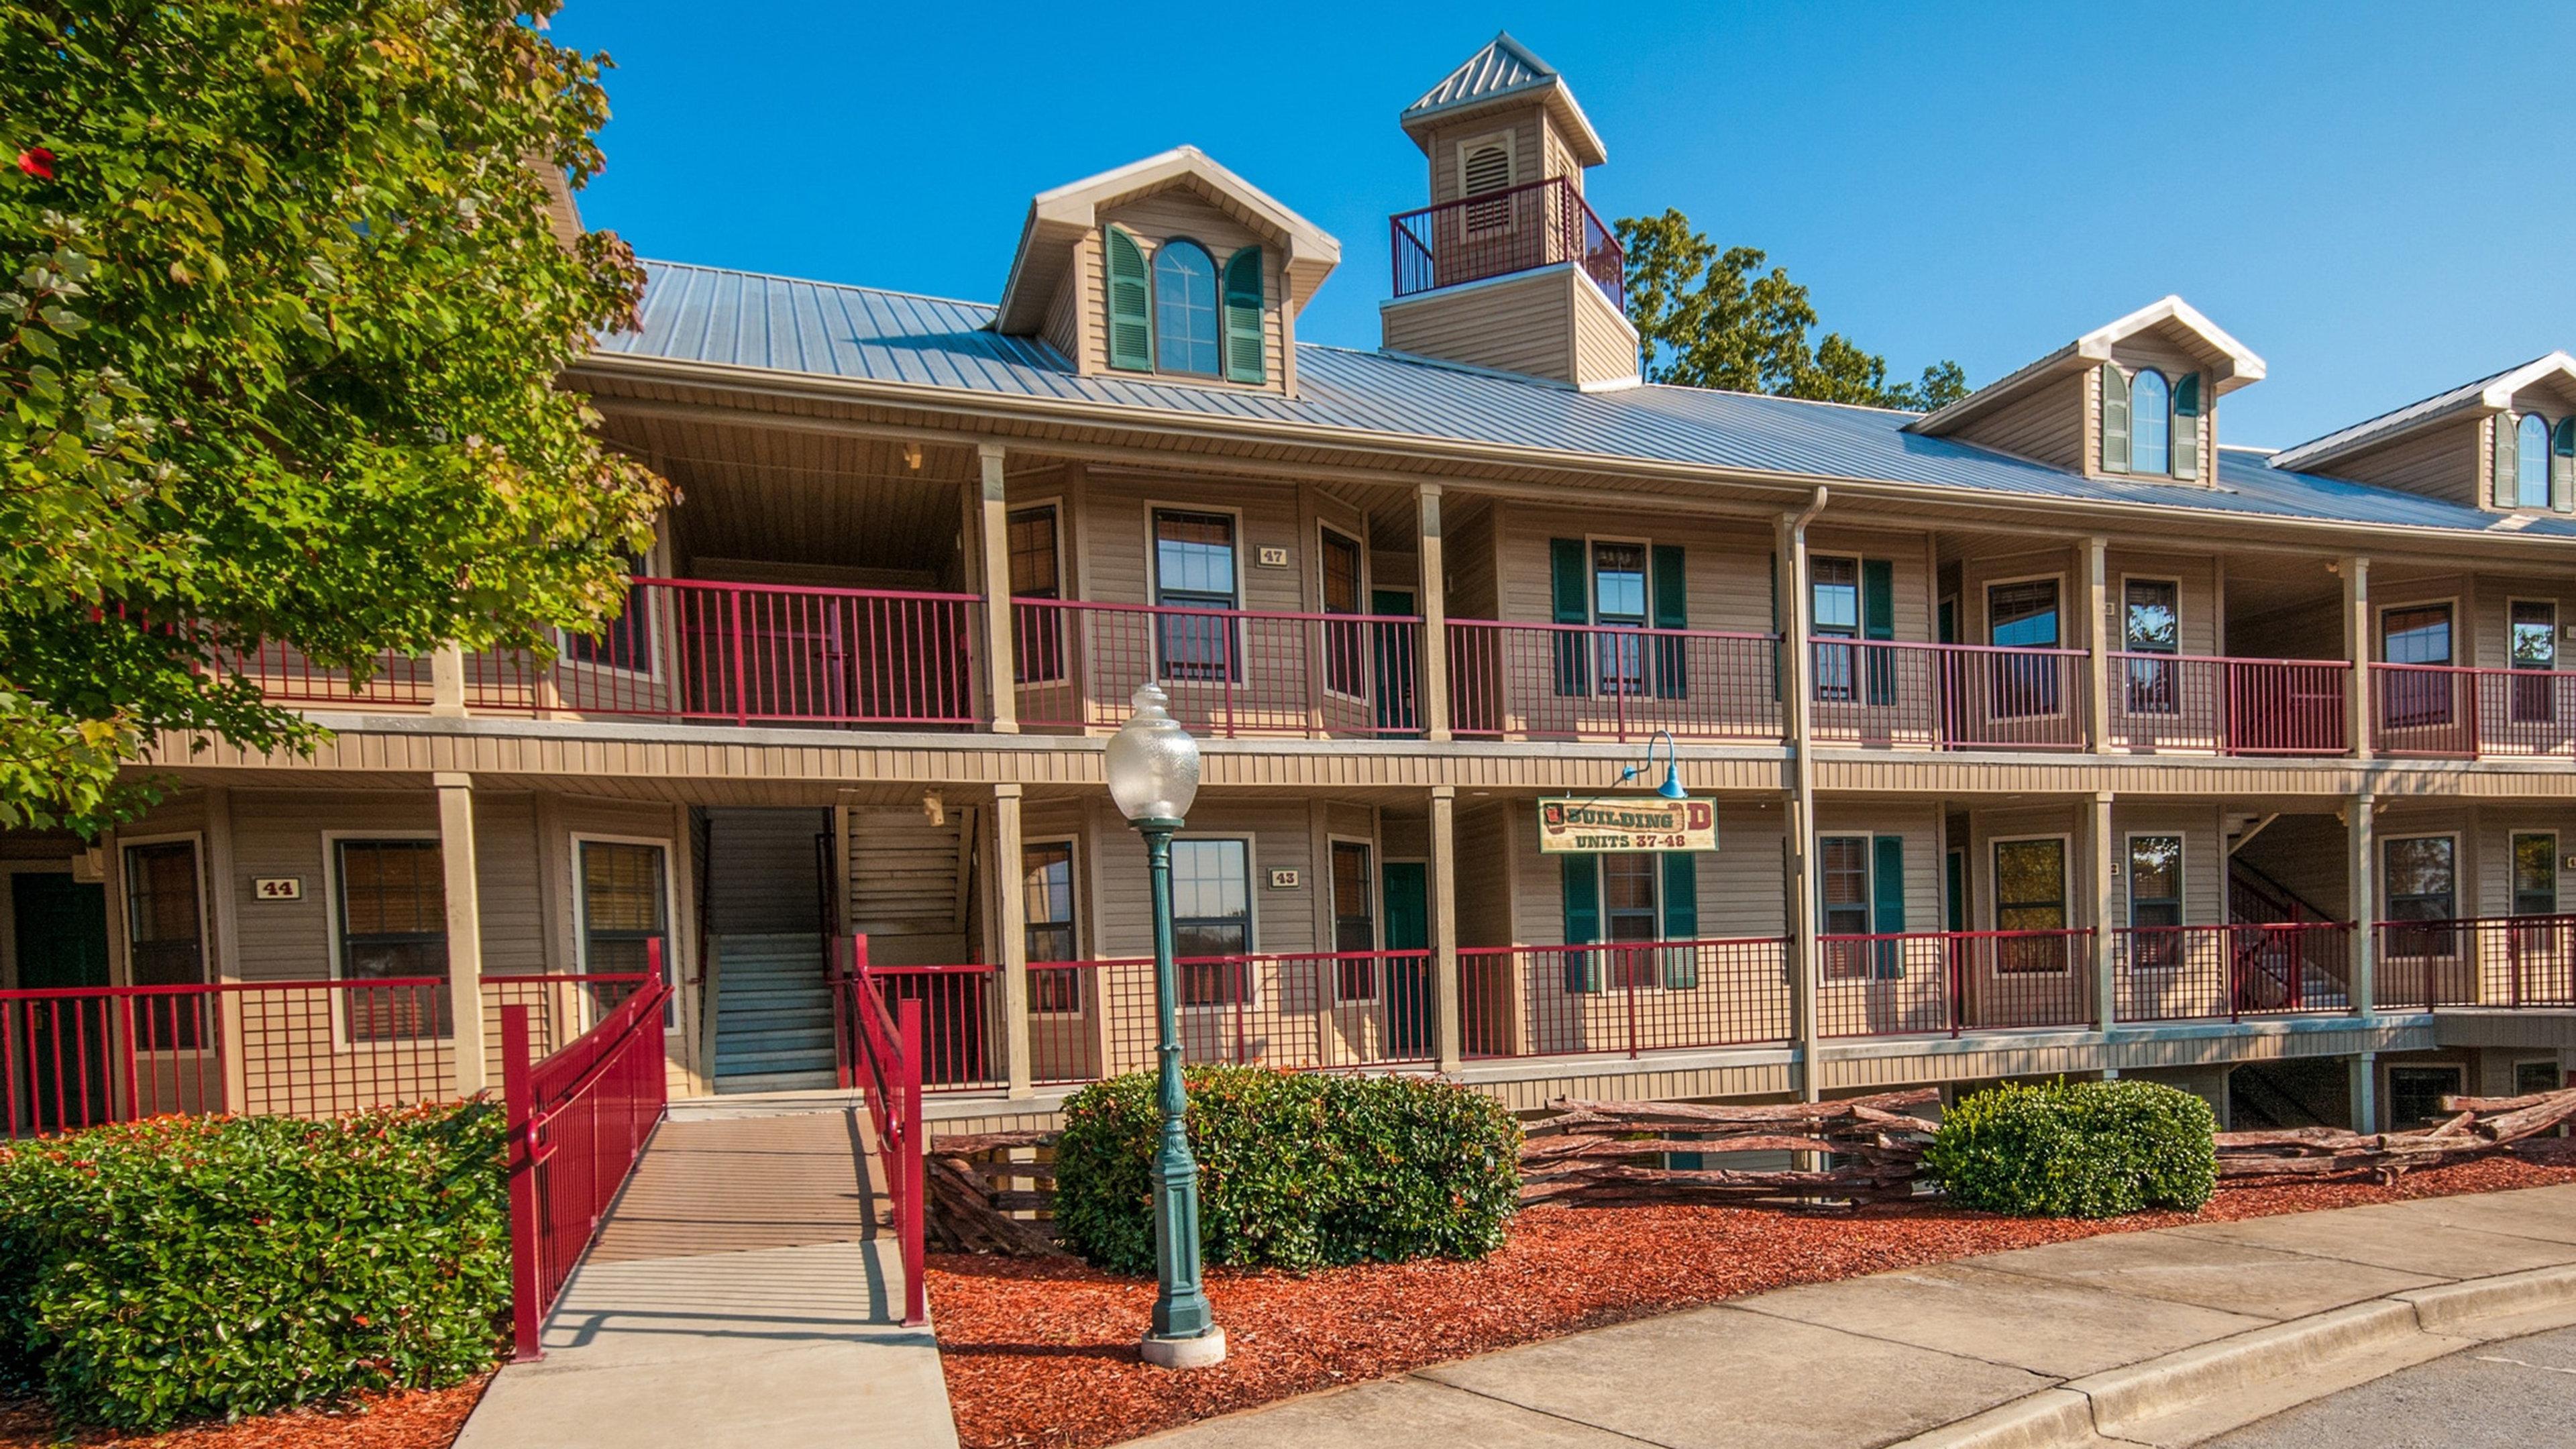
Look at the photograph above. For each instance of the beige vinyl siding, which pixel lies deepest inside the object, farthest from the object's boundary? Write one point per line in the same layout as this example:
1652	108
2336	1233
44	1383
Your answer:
1729	586
2050	425
1913	1001
908	888
2135	354
1538	152
1469	553
1605	346
1164	215
1523	324
2307	855
2196	597
2451	461
1067	311
1484	873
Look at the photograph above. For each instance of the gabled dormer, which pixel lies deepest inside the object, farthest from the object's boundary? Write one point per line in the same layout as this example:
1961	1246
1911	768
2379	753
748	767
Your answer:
1171	267
1508	267
2135	399
2506	443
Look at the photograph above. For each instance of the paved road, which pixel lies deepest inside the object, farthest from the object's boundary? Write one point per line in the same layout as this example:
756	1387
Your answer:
2509	1395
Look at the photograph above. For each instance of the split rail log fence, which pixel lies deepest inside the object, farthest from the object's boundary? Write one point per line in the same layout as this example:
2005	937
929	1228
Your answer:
1618	1153
2483	1127
1615	1154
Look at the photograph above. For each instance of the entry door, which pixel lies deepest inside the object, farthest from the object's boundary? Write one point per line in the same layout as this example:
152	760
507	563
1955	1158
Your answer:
1396	664
61	939
1407	927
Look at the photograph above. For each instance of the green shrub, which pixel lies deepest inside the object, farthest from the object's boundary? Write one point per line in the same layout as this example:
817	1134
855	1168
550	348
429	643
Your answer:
195	1267
1295	1170
2077	1149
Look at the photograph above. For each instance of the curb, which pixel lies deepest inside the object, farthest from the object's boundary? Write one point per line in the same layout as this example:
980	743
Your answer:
2081	1413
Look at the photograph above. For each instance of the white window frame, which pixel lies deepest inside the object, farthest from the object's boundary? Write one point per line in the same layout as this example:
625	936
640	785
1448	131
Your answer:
1073	859
2460	640
2459	884
1154	587
2556	654
1252	887
655	563
1592	613
121	960
2065	612
331	839
1869	900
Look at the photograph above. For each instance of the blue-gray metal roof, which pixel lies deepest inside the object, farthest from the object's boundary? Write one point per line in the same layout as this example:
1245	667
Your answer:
741	319
1503	67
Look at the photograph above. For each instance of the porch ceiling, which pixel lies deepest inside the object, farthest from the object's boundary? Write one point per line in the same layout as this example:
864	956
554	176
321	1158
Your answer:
819	500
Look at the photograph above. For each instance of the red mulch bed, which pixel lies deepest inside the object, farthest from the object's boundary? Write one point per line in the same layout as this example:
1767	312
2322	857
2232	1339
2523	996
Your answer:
1041	1354
425	1420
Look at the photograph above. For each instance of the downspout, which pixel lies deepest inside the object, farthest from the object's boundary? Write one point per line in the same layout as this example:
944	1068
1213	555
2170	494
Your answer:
1797	694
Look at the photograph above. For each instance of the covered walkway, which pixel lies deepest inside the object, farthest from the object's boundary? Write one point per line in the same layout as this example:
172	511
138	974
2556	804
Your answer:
741	1292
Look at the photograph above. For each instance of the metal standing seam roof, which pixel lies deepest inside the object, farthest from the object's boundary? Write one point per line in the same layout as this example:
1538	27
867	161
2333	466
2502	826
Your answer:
1503	67
740	319
2390	424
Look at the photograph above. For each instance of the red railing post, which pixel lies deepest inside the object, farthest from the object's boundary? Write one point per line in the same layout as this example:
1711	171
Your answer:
916	1293
741	693
518	1109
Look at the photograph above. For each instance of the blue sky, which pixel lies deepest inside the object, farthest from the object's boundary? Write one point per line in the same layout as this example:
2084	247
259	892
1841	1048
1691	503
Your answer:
2373	197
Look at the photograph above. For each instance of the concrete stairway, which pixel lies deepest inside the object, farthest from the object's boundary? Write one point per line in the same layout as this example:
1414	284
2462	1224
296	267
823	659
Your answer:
773	1014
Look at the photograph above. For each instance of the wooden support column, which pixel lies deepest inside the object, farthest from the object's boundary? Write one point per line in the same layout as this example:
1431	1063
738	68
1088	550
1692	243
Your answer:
2362	888
993	530
223	952
1012	928
2107	915
1789	559
2356	640
464	925
1431	689
447	682
2097	638
1446	997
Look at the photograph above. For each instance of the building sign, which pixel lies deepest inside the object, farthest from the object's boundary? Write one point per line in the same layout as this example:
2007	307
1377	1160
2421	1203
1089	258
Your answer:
277	887
1626	825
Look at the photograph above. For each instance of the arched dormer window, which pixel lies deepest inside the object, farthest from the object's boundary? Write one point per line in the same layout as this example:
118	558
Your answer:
1187	331
2150	422
2531	462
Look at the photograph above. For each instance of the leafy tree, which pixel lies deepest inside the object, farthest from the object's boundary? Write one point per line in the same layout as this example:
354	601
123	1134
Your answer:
280	320
1712	318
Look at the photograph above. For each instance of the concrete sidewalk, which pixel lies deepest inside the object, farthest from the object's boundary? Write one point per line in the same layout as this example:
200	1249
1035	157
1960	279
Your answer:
2159	1338
739	1293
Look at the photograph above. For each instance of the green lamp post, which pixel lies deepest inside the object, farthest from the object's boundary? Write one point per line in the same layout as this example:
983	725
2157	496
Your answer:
1153	770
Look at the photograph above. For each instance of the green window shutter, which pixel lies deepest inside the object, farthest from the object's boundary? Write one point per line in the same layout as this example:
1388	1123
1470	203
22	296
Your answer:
2562	466
1779	647
1131	303
1243	299
1681	920
1887	901
1671	588
2508	460
1582	888
1878	621
1569	588
2186	426
2115	419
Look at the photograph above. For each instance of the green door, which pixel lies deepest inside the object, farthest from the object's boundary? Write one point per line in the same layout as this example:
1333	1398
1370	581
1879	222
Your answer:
1407	927
1396	655
60	1045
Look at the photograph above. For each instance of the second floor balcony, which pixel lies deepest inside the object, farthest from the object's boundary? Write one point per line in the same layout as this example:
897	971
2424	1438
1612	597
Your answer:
707	652
1500	233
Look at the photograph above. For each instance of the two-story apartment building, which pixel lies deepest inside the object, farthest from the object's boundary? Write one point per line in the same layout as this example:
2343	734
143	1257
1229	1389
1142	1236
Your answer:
2048	733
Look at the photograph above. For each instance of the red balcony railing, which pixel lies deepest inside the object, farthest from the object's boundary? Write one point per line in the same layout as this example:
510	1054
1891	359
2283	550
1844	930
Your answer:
1300	1011
1228	671
2496	961
1953	981
2432	709
578	1120
693	649
1948	696
1576	681
2190	973
1628	998
1498	233
2229	706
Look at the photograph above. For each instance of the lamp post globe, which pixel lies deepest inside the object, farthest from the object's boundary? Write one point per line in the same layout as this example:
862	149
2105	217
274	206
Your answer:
1153	769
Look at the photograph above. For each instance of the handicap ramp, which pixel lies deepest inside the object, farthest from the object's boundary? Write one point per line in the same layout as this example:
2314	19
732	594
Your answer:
740	1292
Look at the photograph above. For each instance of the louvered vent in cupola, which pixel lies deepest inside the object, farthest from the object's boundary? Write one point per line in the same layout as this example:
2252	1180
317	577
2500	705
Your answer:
1488	167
